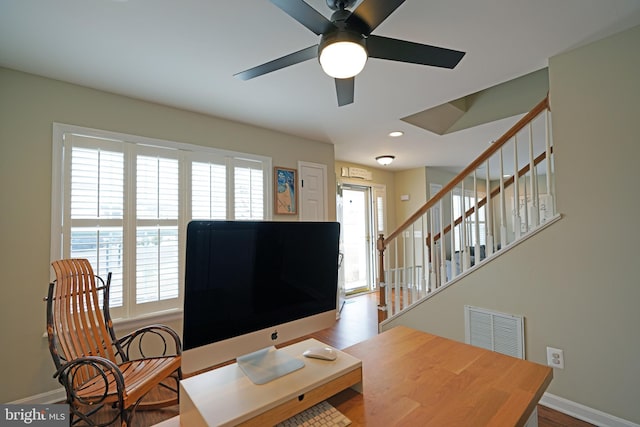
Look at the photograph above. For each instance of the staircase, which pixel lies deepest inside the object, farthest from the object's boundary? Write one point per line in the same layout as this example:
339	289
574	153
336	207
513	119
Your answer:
486	209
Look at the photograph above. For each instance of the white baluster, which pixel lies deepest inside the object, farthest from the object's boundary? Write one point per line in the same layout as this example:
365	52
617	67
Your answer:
401	273
549	163
411	284
424	278
488	213
476	216
454	268
431	260
525	209
503	206
517	222
464	241
443	255
395	302
535	202
414	241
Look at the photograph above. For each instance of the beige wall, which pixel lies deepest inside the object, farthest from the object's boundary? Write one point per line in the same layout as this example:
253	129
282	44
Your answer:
413	183
577	282
28	107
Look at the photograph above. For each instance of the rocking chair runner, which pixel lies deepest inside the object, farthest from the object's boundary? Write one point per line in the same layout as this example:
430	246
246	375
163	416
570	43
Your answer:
95	367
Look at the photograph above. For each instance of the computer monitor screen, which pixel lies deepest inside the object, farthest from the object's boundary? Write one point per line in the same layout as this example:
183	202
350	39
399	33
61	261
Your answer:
251	284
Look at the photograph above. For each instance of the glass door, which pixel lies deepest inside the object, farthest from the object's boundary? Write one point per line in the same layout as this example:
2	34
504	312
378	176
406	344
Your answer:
359	238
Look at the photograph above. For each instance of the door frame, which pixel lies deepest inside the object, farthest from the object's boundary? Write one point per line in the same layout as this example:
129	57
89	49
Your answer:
373	190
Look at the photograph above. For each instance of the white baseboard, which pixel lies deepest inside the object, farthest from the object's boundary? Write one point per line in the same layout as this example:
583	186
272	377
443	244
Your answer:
584	413
46	398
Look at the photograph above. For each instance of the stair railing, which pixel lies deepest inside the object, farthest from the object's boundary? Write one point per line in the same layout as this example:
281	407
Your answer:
484	209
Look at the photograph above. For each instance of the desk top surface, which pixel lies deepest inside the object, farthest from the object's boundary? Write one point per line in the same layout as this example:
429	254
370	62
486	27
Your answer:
415	378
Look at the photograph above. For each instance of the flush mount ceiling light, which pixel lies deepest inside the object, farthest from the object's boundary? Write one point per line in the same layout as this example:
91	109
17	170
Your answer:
385	160
342	54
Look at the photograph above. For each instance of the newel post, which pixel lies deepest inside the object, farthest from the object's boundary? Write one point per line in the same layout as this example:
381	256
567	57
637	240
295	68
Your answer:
427	241
382	296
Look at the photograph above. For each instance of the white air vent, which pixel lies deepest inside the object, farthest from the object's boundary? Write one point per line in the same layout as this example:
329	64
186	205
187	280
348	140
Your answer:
356	173
495	331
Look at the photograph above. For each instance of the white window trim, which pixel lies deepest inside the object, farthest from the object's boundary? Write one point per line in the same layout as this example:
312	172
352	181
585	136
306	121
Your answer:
186	152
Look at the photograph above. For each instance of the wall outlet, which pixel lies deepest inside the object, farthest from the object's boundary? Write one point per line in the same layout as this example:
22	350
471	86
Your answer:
555	357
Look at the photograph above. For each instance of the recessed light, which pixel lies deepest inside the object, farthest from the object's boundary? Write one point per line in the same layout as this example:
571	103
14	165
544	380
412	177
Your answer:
396	133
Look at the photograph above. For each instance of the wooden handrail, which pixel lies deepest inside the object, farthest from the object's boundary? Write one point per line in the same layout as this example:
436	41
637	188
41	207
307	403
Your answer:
542	106
492	194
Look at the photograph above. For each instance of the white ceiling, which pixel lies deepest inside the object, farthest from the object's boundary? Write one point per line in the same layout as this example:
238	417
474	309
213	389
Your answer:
184	54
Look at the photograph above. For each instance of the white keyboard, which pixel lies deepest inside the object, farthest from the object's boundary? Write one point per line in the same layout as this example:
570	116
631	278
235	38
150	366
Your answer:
322	414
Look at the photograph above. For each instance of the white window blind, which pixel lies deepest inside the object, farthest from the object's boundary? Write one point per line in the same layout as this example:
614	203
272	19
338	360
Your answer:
157	188
157	273
96	209
124	202
157	258
249	190
96	183
209	190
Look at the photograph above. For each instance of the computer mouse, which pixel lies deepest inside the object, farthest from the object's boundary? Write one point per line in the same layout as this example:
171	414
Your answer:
324	353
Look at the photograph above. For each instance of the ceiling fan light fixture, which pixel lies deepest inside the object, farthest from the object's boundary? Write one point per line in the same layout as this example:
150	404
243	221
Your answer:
385	160
343	55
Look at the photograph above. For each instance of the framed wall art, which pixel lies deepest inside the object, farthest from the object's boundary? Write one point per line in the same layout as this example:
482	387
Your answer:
286	191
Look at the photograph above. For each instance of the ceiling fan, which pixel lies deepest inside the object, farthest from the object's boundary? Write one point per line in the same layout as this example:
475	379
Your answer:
346	42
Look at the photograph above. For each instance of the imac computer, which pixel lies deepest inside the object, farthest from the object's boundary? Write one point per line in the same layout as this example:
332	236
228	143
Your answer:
250	285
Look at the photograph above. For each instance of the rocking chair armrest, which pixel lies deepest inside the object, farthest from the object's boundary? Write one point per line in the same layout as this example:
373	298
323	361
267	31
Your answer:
102	375
96	361
164	332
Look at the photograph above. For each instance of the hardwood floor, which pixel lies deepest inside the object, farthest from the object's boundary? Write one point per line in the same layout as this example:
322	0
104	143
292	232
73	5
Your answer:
358	321
549	418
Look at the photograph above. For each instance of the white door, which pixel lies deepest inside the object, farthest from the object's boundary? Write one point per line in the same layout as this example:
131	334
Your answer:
313	191
313	207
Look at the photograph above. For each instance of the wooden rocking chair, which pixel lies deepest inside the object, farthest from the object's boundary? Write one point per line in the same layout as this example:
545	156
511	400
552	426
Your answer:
97	369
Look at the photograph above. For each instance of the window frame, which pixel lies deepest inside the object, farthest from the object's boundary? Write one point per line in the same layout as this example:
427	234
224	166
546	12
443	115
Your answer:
133	146
471	195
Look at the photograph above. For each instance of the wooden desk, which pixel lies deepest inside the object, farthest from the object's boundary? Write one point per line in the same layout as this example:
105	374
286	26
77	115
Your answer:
414	378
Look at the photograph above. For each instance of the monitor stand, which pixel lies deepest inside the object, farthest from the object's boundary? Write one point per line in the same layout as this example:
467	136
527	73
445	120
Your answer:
268	364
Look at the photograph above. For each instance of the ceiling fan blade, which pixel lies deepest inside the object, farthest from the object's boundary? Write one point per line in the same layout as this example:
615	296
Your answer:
285	61
415	53
344	90
305	14
373	12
